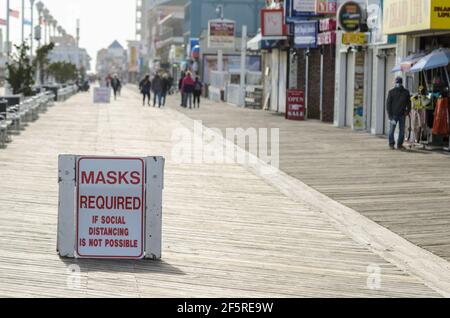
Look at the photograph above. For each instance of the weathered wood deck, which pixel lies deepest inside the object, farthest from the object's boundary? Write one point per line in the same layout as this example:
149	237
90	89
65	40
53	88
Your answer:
226	232
406	192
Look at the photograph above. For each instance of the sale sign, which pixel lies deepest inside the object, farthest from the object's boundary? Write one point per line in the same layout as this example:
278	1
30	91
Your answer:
110	207
295	105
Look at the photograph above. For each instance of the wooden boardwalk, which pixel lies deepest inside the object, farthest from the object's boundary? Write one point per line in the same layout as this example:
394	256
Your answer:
406	192
226	232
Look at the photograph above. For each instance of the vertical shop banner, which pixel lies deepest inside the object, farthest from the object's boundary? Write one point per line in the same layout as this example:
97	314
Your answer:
359	120
110	207
221	34
305	34
295	105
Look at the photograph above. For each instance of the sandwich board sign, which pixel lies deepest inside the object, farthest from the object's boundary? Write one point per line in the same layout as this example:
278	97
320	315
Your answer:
110	207
102	95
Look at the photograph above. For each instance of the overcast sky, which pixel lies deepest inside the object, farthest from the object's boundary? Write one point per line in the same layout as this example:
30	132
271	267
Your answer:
102	21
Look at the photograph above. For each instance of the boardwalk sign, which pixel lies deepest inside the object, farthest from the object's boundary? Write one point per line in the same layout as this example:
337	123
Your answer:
114	204
102	95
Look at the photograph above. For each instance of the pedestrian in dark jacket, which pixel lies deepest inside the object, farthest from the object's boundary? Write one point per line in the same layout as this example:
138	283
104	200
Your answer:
157	86
398	107
180	86
116	86
198	88
145	87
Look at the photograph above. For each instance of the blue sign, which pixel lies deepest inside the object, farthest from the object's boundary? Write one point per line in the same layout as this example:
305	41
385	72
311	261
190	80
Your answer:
305	35
299	10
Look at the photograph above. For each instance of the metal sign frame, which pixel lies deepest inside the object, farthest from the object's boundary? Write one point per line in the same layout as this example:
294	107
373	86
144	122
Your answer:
67	215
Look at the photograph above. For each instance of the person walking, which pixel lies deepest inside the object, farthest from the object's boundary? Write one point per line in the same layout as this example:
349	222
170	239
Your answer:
116	85
188	89
165	89
398	107
157	86
180	89
198	88
145	87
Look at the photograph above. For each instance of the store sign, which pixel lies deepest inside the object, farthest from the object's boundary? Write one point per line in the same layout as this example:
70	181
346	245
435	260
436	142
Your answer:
272	22
406	16
326	6
295	105
305	34
110	207
102	95
327	25
221	34
297	10
354	38
326	38
440	15
350	16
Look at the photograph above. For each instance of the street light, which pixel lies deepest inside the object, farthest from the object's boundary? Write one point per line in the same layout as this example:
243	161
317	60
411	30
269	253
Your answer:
32	25
219	11
46	14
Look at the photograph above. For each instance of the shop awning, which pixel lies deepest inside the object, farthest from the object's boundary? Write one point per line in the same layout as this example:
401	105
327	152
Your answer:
255	43
436	59
408	62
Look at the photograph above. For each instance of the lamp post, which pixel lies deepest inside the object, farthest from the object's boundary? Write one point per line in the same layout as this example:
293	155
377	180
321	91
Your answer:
219	11
23	20
32	25
55	25
40	8
46	18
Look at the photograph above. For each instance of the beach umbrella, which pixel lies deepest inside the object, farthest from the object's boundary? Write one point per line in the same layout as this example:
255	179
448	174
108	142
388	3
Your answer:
436	59
408	62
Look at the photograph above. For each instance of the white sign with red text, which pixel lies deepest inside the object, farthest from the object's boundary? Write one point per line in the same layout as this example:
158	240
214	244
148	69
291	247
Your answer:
110	207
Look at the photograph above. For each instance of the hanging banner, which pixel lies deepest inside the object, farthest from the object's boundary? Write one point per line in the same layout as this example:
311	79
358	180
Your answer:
359	120
221	34
326	38
327	25
326	6
350	16
305	35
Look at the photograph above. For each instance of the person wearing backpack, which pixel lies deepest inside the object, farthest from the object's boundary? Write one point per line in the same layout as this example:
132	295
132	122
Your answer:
187	89
198	87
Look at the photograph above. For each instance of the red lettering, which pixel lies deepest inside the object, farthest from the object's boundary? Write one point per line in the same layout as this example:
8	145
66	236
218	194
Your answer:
87	180
112	177
100	178
123	177
83	202
135	177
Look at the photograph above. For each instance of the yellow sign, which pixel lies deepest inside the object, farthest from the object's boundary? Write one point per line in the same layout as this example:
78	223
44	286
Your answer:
406	16
440	14
354	38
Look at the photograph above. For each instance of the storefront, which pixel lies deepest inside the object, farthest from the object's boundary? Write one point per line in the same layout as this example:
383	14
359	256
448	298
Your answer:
426	36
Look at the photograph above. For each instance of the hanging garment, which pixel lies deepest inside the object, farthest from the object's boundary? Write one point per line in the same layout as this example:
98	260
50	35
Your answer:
441	126
419	125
